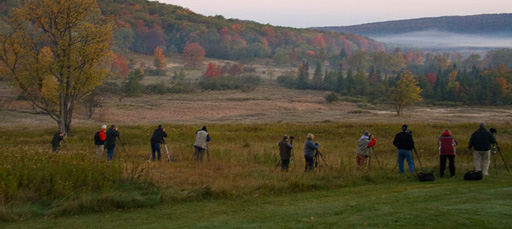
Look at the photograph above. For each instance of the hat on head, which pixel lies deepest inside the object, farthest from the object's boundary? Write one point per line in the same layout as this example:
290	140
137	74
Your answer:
104	127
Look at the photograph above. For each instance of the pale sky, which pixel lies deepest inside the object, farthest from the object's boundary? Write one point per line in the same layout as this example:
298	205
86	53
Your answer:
302	13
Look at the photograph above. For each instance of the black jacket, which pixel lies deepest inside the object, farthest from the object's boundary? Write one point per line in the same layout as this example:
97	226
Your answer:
285	150
481	140
110	142
403	140
56	140
158	136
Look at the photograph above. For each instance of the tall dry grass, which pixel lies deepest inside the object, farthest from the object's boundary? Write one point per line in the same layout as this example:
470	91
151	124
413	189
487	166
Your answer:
242	162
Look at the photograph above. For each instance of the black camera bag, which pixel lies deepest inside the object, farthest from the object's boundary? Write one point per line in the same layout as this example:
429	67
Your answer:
426	177
473	175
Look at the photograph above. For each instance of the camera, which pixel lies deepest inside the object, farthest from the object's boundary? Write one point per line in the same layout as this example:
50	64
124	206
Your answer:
409	132
493	131
292	137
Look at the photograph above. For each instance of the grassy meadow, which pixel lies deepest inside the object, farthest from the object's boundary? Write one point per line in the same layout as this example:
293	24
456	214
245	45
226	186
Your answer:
35	183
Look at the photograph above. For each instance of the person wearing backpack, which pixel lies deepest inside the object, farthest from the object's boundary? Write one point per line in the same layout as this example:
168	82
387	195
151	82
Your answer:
157	139
447	145
99	140
110	141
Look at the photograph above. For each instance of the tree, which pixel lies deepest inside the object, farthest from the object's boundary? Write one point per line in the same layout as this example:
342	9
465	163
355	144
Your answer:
211	71
193	55
56	52
159	61
406	92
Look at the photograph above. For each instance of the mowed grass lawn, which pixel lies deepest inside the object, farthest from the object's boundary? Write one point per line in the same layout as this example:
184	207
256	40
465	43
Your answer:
444	203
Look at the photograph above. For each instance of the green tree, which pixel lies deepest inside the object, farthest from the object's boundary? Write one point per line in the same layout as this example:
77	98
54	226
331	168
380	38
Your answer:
56	52
317	80
406	92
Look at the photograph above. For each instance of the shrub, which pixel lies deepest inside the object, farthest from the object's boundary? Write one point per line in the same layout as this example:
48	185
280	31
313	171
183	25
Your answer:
331	97
157	88
181	87
244	83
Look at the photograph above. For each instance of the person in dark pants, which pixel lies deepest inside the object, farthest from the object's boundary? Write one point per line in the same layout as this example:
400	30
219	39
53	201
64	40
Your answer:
404	143
309	151
110	142
447	151
56	140
285	151
157	139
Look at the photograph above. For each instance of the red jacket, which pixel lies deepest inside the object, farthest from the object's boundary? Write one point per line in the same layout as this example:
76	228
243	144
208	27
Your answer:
447	144
103	136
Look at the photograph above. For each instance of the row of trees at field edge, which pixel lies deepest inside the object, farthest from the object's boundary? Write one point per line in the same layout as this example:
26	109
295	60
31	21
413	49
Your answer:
441	82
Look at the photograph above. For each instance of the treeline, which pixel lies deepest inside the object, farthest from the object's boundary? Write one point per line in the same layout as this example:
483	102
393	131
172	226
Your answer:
473	24
145	25
445	79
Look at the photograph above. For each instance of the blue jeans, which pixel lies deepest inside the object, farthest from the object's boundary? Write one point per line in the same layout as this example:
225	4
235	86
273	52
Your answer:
407	154
155	147
110	154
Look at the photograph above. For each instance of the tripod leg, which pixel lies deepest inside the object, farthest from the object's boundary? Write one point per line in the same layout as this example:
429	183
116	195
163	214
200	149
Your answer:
323	159
277	165
495	162
503	159
376	158
167	151
417	156
370	163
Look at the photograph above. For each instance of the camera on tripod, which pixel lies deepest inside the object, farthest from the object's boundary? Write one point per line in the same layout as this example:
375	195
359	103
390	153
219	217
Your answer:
493	131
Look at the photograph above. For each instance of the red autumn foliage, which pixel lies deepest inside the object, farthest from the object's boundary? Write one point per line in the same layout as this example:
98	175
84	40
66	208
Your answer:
193	55
211	71
318	42
431	78
119	66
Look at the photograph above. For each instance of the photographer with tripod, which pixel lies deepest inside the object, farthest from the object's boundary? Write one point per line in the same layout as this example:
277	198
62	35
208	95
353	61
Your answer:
156	140
481	140
363	149
309	151
285	151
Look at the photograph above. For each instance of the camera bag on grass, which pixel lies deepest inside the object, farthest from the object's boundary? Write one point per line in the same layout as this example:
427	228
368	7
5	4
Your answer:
423	176
473	175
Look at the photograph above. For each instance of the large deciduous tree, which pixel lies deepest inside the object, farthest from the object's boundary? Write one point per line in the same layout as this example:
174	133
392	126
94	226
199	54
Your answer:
193	55
56	52
406	92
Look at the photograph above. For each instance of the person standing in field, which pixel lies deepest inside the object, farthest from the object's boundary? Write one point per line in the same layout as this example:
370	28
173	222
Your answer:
481	140
363	149
99	140
447	151
158	138
285	152
404	143
110	142
309	151
201	144
56	141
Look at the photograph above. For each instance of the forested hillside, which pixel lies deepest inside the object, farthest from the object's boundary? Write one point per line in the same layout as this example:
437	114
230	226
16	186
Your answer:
474	24
145	25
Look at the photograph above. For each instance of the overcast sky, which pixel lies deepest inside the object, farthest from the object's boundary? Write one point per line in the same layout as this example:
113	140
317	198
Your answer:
302	13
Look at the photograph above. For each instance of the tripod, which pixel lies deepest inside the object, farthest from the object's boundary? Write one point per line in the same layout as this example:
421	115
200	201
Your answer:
370	159
316	160
495	150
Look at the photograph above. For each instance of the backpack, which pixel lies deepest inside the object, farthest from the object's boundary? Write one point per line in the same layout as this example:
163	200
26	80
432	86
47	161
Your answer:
473	175
426	177
97	139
